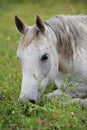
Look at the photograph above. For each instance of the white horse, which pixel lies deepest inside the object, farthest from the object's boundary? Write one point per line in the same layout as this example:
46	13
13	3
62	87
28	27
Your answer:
48	50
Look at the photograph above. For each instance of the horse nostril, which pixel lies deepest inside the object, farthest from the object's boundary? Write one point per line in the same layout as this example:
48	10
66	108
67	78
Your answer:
32	101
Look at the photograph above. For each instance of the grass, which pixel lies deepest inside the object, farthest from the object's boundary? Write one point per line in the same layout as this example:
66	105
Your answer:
55	114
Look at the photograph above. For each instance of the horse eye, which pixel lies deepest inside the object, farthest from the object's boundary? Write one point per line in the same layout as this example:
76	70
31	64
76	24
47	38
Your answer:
44	57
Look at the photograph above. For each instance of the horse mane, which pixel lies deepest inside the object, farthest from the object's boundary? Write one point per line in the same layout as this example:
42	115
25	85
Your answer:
70	30
28	37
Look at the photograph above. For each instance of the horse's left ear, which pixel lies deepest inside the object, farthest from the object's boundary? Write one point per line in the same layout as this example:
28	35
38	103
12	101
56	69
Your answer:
40	24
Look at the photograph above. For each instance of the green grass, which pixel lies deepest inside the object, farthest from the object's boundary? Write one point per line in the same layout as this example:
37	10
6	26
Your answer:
55	114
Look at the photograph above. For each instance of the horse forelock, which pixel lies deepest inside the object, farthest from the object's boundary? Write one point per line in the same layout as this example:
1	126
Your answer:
28	37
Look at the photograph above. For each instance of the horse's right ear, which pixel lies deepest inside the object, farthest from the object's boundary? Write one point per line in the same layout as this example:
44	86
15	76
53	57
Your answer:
21	26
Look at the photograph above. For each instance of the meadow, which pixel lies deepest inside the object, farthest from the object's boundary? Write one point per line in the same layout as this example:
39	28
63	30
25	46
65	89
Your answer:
54	114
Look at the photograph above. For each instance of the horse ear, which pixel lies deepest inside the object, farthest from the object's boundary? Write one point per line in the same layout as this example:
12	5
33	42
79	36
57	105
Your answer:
21	26
40	24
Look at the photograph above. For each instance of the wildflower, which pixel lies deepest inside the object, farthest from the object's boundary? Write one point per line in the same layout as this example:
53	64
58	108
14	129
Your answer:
13	112
8	38
72	113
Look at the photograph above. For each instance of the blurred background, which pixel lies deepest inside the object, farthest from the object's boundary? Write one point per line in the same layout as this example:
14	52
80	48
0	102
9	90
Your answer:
27	9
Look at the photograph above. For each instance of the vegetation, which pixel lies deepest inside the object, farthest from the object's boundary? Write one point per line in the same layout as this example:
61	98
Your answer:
55	114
